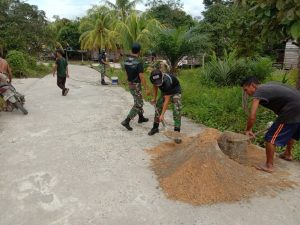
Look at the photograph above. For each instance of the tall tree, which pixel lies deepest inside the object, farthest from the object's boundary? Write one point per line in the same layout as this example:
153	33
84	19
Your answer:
209	3
173	44
137	28
23	26
66	32
123	7
216	23
173	4
171	16
281	18
98	30
69	35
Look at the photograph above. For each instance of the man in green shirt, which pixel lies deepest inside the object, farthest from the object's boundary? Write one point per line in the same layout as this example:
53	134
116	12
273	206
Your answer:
61	68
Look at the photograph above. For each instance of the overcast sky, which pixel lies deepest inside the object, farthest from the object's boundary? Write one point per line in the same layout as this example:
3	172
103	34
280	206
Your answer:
76	8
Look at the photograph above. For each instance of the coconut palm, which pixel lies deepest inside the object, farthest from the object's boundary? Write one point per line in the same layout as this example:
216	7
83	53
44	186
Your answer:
137	29
98	29
123	7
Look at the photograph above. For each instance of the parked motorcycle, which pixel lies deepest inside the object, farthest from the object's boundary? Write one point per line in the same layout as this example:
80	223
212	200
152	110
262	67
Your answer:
13	99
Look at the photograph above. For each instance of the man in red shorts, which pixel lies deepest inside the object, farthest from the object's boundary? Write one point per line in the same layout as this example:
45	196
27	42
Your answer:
285	102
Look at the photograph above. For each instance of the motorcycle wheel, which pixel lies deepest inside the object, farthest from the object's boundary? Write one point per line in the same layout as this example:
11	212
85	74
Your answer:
18	105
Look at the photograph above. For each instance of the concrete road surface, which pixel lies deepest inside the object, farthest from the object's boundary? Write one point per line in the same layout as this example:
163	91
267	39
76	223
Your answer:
70	162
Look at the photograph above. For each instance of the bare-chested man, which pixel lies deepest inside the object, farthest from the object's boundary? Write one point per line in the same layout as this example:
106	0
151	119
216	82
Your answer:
5	70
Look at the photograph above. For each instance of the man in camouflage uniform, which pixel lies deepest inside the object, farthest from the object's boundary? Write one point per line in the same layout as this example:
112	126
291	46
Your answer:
135	76
170	91
102	66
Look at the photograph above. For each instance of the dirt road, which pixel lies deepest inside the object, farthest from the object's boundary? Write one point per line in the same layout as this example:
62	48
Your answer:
70	162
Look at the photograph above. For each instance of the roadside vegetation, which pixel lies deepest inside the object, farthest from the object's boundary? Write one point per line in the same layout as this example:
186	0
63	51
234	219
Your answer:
233	39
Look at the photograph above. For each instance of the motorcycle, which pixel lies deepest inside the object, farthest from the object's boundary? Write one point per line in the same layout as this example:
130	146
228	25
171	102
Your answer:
12	98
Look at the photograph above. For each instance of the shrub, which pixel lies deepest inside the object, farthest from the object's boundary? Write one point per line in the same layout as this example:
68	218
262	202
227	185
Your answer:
30	62
260	68
23	64
17	62
230	70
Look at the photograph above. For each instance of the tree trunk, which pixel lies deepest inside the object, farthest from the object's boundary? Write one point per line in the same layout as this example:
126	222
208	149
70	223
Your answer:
298	77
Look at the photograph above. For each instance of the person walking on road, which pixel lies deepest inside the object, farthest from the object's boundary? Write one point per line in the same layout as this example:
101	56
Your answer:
61	68
5	71
135	76
283	101
170	92
102	66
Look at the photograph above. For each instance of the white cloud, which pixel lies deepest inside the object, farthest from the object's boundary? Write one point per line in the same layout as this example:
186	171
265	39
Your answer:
193	7
77	8
63	8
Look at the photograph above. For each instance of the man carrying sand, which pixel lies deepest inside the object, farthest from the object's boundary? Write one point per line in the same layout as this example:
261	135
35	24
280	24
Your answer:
5	71
170	92
284	101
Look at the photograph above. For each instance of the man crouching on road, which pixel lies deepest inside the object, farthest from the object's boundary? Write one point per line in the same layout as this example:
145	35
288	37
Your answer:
135	76
170	91
285	102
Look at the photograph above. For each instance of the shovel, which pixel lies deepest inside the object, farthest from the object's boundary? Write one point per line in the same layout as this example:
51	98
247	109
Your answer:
177	138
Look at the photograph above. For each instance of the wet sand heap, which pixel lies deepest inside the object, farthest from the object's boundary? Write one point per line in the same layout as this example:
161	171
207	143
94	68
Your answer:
198	172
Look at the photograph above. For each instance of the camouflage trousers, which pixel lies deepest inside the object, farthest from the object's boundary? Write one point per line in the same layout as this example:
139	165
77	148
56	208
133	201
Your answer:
136	92
102	71
176	101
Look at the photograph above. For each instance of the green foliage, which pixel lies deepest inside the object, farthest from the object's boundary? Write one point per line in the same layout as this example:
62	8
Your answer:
122	8
260	68
23	65
17	62
230	70
22	26
2	104
216	24
209	3
171	17
69	35
278	17
137	28
98	29
173	44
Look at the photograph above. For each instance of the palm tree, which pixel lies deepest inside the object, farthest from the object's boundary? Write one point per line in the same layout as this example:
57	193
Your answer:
123	7
173	44
137	29
98	29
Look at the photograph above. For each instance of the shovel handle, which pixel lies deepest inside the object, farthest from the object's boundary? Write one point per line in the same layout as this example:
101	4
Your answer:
163	121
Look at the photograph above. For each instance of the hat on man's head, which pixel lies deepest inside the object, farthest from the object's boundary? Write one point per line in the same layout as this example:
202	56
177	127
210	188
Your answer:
156	77
135	48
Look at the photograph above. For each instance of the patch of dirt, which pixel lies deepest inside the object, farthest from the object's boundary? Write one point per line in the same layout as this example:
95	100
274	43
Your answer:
198	172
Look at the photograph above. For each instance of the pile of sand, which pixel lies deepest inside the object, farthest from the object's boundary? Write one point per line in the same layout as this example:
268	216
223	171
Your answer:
198	172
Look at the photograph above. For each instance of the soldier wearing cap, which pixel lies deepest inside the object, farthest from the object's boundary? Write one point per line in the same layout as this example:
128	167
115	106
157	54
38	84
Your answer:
170	91
102	66
135	76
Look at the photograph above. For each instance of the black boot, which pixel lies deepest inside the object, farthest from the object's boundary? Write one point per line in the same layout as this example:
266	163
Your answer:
177	139
125	123
154	129
103	82
142	119
177	129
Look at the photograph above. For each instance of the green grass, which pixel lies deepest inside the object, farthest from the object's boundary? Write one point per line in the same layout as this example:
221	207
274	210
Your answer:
215	107
39	71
